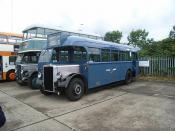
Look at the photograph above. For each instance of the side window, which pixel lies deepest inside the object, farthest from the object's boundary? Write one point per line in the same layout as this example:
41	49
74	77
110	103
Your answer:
79	54
114	56
124	56
64	55
94	54
105	55
54	56
121	56
25	59
12	60
92	37
127	56
33	59
84	55
53	39
134	56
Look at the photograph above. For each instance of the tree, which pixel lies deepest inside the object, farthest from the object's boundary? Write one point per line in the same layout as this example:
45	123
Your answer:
114	36
139	38
165	47
172	33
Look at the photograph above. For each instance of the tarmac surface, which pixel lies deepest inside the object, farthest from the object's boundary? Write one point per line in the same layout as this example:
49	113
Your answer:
141	105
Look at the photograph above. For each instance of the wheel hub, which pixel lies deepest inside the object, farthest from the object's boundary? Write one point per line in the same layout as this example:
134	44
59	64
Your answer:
77	89
12	76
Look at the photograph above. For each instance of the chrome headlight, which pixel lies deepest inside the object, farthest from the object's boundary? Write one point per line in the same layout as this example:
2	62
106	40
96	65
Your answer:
22	71
59	75
39	75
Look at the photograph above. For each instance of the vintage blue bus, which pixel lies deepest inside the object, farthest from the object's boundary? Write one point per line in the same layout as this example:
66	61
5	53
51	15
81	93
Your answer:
34	41
75	64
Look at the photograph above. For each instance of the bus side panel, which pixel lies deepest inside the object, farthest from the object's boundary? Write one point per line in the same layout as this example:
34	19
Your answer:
105	73
99	74
6	66
122	67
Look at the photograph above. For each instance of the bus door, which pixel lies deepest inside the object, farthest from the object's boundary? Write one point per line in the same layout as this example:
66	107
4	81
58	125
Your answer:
115	65
99	70
99	74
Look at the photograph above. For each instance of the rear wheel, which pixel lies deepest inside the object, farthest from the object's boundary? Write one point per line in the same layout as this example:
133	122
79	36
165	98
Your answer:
128	77
32	82
10	75
75	90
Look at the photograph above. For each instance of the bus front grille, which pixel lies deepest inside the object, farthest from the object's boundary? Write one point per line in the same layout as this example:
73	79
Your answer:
18	71
48	78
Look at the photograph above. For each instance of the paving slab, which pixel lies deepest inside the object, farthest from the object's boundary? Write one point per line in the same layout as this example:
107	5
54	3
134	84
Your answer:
141	105
48	125
150	88
58	105
17	113
128	112
12	89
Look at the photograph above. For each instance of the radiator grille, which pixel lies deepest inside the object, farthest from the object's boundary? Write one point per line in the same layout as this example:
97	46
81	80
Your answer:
19	71
48	78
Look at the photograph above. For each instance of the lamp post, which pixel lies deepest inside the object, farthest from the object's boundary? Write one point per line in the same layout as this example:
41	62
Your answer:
11	15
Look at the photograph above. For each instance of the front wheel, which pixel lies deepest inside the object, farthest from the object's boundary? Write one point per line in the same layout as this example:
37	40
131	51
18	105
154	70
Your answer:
128	77
75	90
10	75
33	82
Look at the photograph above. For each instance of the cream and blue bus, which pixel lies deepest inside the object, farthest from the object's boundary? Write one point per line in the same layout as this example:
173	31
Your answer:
75	64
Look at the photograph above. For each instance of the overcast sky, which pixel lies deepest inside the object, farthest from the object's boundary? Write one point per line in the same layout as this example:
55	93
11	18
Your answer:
93	16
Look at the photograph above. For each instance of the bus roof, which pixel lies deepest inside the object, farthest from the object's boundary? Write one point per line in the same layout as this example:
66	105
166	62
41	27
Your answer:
11	34
78	41
50	30
40	29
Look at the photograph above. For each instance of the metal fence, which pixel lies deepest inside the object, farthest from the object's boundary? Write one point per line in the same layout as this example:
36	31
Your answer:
159	66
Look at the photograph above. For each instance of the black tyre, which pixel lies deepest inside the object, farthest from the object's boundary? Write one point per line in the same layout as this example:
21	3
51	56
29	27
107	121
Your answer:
10	76
128	77
75	90
32	82
45	92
